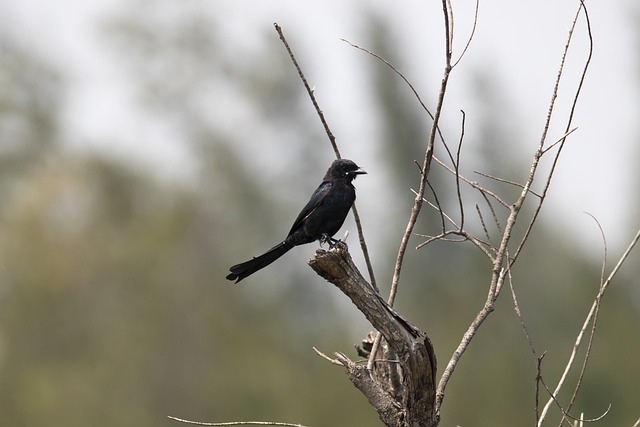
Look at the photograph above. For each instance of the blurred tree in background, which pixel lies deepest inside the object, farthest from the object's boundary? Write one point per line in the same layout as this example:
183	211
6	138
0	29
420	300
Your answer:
113	305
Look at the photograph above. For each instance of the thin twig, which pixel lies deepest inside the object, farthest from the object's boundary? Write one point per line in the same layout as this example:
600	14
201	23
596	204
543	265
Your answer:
236	423
583	369
327	129
395	70
457	170
506	181
538	382
415	93
484	226
560	140
374	350
443	238
324	356
472	184
525	330
497	280
493	212
365	249
473	31
437	206
459	232
567	415
516	307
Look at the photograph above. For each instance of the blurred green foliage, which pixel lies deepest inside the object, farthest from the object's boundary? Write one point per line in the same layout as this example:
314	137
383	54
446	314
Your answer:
113	305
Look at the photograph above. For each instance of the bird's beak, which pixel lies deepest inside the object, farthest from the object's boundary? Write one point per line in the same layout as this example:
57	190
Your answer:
359	171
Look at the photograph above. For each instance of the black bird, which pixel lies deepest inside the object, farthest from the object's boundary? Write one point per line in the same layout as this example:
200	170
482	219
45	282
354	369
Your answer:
320	219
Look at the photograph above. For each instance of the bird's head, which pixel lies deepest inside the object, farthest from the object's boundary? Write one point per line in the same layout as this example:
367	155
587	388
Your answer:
344	169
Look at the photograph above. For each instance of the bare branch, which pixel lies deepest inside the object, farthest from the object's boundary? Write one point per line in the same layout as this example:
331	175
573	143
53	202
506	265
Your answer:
484	226
506	181
621	261
472	184
496	284
590	316
426	164
456	168
538	382
567	415
334	144
365	249
236	423
473	31
437	206
559	141
440	210
327	129
516	306
458	231
502	260
493	211
595	319
525	330
324	356
415	93
395	70
541	149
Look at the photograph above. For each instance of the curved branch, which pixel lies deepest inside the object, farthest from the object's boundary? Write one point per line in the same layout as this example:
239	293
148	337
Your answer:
590	316
473	32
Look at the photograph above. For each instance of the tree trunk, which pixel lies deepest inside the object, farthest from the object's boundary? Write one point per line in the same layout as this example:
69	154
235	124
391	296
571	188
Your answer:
402	384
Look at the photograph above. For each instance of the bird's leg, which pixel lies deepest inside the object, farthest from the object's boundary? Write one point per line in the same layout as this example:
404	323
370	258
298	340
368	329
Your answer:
325	238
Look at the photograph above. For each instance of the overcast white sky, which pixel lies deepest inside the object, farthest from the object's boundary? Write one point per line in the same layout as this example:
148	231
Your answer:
521	41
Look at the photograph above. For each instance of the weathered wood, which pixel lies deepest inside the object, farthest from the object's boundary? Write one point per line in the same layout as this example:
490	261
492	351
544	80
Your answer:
402	385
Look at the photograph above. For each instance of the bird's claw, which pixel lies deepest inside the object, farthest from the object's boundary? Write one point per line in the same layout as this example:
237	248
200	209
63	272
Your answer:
325	238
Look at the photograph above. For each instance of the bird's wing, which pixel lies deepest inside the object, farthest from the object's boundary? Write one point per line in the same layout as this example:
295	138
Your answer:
316	200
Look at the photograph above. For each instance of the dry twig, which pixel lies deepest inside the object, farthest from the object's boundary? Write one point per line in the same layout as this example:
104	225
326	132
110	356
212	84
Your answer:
236	423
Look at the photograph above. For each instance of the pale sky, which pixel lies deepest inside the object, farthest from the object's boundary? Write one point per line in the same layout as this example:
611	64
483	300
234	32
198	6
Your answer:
521	41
